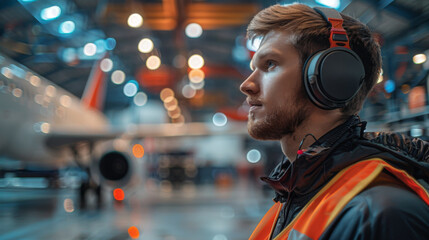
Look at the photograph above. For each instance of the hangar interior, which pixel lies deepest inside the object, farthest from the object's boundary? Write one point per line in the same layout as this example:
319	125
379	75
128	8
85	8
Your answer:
123	119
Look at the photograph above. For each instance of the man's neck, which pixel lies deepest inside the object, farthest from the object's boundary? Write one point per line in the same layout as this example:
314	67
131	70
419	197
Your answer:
317	126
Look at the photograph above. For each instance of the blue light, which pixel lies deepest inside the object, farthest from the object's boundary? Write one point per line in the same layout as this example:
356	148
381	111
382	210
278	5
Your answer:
389	86
50	13
101	45
69	55
67	27
131	88
330	3
110	43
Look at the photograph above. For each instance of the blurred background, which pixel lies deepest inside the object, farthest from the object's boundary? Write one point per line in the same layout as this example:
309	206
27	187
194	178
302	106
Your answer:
124	119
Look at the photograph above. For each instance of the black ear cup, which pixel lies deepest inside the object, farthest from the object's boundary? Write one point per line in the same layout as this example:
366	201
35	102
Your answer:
332	77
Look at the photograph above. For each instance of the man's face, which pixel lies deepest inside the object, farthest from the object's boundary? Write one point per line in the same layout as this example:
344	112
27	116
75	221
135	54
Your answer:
277	105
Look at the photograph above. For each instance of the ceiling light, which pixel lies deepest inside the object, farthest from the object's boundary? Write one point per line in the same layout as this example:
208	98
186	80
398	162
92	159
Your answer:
193	30
145	45
89	49
67	27
50	13
131	88
419	58
196	61
106	65
153	62
118	77
135	20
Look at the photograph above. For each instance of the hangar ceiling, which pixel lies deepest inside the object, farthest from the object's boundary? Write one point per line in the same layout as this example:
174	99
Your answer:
401	25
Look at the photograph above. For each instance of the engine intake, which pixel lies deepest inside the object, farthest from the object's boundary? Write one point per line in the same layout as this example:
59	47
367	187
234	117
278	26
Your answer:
114	166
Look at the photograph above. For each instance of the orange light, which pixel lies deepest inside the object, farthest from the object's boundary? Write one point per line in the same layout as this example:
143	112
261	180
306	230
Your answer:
165	93
196	75
138	151
118	194
133	232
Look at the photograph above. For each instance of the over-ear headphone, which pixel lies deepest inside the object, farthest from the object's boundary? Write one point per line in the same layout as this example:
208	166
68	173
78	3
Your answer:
333	76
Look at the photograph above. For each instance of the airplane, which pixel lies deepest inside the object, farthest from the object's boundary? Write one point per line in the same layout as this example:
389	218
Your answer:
42	124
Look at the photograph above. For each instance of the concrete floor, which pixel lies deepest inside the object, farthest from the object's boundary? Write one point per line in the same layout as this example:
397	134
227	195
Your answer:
192	213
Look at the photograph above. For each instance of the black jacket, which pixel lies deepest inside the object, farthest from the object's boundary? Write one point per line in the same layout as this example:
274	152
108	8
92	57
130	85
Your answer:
387	210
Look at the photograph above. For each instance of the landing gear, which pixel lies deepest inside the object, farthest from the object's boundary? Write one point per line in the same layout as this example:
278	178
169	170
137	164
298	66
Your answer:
86	187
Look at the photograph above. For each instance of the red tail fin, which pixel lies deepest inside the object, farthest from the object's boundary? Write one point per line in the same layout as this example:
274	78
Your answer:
95	89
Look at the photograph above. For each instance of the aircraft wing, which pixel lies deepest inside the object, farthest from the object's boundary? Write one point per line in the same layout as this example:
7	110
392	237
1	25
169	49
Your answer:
186	129
64	138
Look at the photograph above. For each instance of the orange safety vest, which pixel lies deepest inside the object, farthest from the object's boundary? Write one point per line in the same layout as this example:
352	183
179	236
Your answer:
322	209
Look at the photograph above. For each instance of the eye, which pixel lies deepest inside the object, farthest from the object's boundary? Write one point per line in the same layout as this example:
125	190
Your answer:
269	64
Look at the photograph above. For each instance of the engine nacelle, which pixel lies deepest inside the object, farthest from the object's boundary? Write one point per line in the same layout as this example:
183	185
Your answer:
115	165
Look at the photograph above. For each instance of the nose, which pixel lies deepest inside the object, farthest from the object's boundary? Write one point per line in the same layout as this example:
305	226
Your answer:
250	85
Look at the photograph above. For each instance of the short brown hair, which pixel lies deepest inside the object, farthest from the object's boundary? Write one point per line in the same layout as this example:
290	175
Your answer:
311	34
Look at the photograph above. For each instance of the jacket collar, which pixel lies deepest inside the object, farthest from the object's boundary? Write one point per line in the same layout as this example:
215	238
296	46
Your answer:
310	170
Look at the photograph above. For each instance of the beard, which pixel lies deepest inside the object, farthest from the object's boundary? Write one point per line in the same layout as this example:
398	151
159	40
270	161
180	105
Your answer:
283	121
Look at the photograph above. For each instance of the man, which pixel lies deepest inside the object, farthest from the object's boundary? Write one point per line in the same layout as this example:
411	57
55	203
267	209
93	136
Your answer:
311	75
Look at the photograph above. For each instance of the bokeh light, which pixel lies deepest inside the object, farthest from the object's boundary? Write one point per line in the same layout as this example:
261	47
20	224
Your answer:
35	80
165	93
118	194
135	20
50	13
145	45
196	75
50	91
65	101
118	77
389	86
45	127
131	88
219	119
253	156
106	65
419	58
138	151
193	30
140	99
153	62
171	103
110	44
133	232
196	61
68	205
90	49
188	91
254	44
67	27
17	92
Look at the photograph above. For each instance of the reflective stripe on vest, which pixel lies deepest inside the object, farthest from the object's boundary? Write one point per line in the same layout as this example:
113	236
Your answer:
322	209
